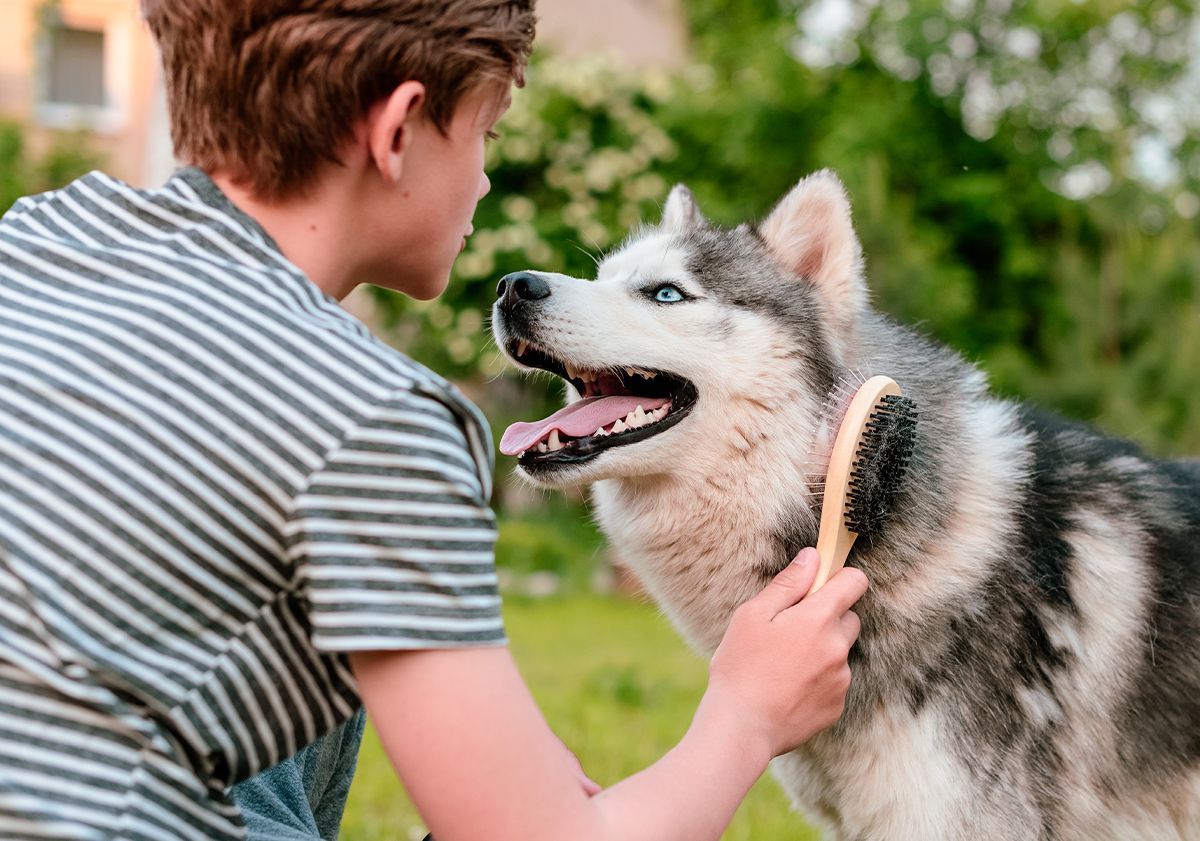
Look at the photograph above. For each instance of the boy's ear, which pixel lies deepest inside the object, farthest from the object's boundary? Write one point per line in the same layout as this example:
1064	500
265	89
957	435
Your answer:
681	211
390	128
811	235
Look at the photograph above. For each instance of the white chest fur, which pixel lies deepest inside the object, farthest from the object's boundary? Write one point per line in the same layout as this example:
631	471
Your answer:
698	567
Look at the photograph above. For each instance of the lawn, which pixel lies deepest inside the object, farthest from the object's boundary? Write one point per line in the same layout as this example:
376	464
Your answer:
619	687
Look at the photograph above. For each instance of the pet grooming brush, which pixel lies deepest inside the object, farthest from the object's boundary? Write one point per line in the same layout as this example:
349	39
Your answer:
866	470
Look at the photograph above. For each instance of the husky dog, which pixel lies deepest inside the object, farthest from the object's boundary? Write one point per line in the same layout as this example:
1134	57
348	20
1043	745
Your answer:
1029	663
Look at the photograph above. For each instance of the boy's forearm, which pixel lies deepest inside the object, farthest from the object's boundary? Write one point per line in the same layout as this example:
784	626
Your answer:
690	794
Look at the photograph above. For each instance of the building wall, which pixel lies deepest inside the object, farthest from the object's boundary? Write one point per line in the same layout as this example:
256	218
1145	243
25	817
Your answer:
641	32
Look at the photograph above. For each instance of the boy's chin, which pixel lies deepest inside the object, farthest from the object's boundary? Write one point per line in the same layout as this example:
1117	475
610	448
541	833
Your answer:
424	288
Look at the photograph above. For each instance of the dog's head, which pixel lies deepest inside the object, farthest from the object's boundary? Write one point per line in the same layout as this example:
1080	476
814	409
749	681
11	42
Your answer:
688	338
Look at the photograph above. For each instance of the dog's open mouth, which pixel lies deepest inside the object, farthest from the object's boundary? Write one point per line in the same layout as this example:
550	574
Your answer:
620	406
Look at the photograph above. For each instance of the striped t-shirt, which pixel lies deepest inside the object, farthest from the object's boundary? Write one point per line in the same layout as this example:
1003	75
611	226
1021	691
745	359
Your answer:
213	484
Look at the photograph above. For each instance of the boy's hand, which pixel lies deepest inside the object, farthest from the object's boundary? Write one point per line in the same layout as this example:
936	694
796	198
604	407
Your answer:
782	664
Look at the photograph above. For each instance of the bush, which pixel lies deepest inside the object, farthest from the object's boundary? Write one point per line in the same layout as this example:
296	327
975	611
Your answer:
22	174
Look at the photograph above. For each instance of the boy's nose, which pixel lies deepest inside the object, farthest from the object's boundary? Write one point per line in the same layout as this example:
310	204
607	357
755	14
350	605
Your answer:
521	286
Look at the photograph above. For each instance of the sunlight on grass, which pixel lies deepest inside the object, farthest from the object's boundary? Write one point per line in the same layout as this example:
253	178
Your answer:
619	687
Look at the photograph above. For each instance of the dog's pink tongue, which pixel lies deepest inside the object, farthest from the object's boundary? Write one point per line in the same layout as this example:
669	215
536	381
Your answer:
581	418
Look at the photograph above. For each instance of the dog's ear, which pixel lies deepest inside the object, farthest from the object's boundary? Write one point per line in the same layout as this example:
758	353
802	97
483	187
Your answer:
681	212
811	234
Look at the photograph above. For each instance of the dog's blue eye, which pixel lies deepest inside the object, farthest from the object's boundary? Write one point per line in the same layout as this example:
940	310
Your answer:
668	295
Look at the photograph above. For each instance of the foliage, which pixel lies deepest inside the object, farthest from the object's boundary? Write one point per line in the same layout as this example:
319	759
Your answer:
1095	92
615	683
1078	291
23	173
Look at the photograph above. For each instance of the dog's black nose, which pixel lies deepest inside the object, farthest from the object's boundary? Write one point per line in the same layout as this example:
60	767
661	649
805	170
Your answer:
521	286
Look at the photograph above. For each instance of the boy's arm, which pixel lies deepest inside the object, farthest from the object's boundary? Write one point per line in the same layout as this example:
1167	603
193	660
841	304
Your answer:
480	762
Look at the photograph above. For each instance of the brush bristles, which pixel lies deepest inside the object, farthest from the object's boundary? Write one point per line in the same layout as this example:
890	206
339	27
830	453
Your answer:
881	464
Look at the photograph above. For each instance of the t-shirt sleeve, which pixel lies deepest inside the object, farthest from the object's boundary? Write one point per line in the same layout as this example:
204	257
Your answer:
393	538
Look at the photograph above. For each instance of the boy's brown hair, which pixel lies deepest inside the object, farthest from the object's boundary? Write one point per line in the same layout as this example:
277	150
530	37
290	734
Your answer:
268	90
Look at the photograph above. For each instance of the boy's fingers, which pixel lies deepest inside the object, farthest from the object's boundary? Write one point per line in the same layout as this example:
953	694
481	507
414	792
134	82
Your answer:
790	585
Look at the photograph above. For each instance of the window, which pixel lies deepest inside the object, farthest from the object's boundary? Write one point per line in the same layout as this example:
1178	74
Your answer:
74	67
73	78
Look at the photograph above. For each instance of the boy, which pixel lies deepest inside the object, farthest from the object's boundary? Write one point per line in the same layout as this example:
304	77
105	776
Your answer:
228	514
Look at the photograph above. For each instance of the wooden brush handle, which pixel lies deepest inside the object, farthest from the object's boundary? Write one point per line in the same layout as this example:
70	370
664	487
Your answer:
834	539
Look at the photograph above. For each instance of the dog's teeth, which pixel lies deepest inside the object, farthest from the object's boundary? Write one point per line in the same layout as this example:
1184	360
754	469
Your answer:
619	426
553	443
639	415
600	432
541	448
630	371
571	372
521	345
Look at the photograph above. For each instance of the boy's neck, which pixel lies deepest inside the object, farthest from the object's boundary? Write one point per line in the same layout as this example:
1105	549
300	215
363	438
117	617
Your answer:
312	231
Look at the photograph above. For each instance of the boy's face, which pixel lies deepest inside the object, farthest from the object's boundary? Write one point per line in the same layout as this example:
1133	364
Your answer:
442	182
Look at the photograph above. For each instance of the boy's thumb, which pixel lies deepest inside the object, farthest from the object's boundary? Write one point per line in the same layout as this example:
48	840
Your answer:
790	585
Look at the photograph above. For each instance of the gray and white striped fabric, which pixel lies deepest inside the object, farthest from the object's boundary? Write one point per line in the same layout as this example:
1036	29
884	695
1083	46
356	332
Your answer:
213	484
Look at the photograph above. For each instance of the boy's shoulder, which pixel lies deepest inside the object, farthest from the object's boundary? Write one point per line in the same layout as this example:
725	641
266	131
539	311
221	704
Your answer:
184	254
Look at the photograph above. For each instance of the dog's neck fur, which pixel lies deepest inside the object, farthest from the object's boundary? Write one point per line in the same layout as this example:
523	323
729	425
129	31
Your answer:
700	569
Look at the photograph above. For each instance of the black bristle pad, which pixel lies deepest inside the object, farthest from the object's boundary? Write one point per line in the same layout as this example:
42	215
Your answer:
881	464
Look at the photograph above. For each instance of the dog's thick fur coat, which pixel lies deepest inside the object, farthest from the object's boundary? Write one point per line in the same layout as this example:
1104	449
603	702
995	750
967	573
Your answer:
1029	664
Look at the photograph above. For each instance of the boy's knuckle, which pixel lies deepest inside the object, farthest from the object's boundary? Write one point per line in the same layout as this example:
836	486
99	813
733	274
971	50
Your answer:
845	677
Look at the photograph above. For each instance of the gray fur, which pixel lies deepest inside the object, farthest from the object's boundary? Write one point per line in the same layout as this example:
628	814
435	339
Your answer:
1029	665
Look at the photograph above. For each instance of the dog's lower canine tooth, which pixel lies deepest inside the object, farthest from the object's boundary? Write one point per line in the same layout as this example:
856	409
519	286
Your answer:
554	443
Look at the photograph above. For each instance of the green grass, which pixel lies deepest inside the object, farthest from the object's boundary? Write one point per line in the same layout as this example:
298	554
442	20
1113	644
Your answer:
616	684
